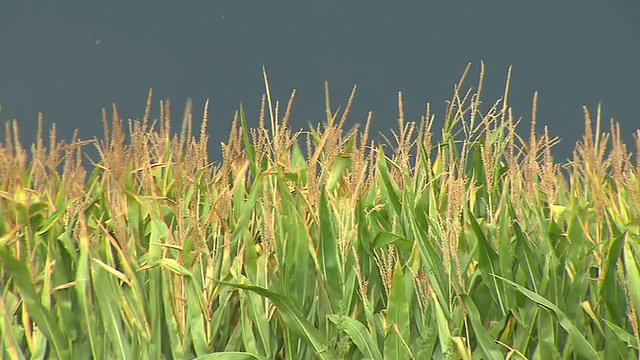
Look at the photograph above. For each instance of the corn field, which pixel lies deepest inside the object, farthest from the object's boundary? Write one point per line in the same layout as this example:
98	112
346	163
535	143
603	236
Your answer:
478	246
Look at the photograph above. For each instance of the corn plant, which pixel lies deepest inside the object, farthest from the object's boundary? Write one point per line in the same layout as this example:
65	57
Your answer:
477	246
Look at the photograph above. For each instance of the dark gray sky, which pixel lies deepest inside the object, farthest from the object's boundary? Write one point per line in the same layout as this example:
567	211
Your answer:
70	59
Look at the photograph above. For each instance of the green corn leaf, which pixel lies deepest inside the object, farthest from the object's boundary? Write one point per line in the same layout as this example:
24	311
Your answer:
610	289
229	355
581	345
359	334
385	238
395	345
107	295
60	210
633	274
46	322
623	335
174	266
487	259
294	320
196	319
329	257
159	232
487	343
175	333
8	332
444	333
341	163
528	260
389	188
83	292
260	320
246	322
